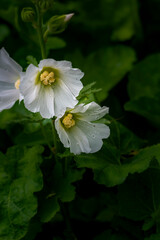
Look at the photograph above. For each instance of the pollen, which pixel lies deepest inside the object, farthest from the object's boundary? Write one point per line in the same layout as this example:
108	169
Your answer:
47	78
17	83
68	121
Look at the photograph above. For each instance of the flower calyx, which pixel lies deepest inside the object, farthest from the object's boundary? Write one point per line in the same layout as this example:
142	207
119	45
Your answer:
57	24
28	14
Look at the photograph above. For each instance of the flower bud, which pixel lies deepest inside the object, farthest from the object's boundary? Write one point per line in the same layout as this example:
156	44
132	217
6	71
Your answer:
57	24
28	14
44	5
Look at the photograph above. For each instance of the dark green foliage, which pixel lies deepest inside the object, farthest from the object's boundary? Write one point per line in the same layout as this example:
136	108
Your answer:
113	194
20	177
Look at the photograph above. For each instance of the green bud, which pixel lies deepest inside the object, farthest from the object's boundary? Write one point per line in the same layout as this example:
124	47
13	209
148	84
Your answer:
44	5
28	14
57	24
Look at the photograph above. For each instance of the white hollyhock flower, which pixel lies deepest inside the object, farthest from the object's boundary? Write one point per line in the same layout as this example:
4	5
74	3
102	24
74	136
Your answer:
51	87
77	130
10	77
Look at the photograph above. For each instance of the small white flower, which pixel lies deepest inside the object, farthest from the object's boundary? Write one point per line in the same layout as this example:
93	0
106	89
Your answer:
51	87
77	130
10	77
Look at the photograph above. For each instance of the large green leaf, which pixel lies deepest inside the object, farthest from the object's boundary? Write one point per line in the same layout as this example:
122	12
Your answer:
143	89
110	171
62	185
20	178
63	190
144	78
106	67
139	197
119	19
17	114
147	107
118	157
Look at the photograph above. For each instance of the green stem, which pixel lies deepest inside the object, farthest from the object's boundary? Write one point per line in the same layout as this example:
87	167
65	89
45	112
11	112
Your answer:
40	32
69	234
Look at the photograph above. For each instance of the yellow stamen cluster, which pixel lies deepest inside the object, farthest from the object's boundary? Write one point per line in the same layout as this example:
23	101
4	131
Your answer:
47	78
17	83
68	121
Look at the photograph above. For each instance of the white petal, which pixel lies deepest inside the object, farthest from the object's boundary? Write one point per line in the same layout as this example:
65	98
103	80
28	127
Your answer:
28	86
6	76
8	98
54	64
6	86
73	138
78	141
46	101
37	97
7	63
91	111
43	103
63	98
95	132
62	133
71	77
47	63
64	64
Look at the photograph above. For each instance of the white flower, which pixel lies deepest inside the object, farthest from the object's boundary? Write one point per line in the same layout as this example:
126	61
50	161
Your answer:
51	87
77	130
10	76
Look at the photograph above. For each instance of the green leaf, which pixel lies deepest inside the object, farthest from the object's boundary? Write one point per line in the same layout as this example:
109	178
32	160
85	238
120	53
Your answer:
143	89
21	178
61	190
144	78
34	228
106	67
54	43
49	208
139	196
86	95
148	224
62	186
147	107
17	114
109	66
102	207
31	60
123	139
111	165
33	134
125	31
5	31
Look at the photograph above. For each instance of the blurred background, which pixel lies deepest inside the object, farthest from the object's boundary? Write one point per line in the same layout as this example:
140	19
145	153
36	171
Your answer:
116	43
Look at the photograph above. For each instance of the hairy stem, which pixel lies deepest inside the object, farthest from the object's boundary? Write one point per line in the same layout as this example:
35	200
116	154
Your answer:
40	32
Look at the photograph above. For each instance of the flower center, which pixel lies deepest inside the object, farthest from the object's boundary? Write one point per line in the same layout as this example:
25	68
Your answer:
68	121
47	78
17	83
